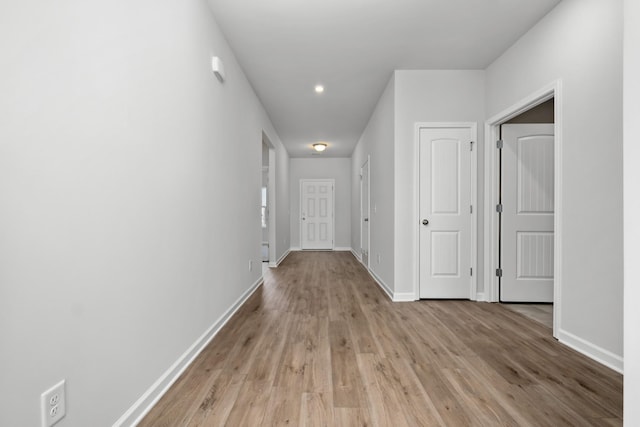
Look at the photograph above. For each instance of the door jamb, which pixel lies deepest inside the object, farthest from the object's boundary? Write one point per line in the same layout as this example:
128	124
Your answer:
368	164
552	90
473	126
333	210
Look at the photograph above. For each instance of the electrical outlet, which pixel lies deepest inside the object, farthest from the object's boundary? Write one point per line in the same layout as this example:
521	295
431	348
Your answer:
53	404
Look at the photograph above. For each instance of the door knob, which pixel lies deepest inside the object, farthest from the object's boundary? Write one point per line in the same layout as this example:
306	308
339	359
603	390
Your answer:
366	220
425	222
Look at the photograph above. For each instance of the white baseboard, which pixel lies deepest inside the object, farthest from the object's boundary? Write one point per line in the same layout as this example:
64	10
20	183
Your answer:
592	351
277	263
337	248
356	255
393	296
150	397
380	282
480	296
403	297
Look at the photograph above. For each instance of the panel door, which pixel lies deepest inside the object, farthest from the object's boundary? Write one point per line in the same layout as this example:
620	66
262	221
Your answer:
527	236
364	235
316	214
445	203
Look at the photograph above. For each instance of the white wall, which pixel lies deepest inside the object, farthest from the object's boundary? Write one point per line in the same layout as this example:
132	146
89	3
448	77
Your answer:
428	96
631	212
338	169
580	42
377	142
122	238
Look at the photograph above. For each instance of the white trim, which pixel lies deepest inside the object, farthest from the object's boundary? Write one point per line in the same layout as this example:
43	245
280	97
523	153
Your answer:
473	126
403	297
342	249
380	282
333	211
150	397
277	263
357	256
295	249
552	90
393	296
481	297
592	351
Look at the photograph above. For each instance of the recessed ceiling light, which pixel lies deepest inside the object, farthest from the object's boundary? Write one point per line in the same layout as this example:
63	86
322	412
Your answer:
319	147
319	88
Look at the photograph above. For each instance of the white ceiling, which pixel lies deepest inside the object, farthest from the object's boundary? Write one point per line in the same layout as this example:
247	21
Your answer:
286	47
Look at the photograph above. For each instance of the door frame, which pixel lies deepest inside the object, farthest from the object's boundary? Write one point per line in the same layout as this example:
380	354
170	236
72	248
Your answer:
473	126
333	211
491	224
368	165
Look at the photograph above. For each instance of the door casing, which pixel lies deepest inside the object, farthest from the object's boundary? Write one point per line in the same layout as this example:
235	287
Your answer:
474	201
491	196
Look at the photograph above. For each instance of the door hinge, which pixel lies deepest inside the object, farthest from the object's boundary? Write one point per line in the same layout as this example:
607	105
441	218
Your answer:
499	208
471	271
471	209
499	272
499	144
470	145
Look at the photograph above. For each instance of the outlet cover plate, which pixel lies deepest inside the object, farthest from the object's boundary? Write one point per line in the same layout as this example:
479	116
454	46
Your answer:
53	405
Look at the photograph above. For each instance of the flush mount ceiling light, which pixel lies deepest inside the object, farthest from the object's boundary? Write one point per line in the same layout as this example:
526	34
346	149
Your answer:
319	88
320	147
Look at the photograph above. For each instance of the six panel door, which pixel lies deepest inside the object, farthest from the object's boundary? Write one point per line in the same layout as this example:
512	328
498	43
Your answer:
316	210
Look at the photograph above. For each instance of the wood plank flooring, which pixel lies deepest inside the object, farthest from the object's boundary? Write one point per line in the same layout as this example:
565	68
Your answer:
319	344
541	313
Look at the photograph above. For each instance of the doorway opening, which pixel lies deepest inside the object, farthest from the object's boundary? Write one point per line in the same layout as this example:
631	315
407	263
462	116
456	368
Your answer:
523	207
264	206
267	203
526	214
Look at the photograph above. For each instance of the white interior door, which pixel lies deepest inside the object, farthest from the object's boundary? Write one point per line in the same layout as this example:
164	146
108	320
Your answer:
527	236
316	214
364	218
445	212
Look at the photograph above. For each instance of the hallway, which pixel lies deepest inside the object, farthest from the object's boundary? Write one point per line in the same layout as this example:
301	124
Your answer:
320	344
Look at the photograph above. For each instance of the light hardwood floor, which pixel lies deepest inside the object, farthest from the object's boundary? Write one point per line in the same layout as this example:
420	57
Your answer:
319	344
541	313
